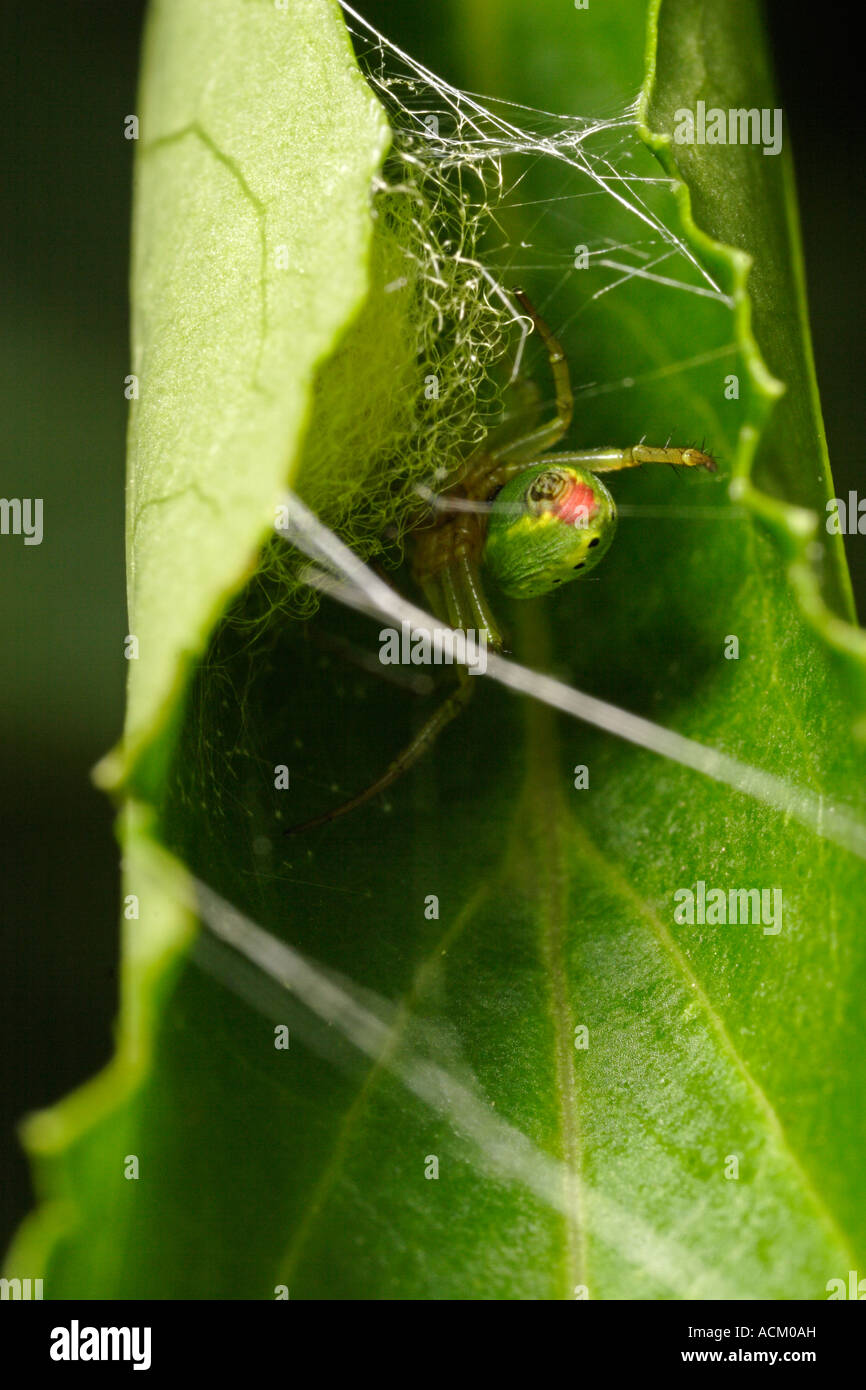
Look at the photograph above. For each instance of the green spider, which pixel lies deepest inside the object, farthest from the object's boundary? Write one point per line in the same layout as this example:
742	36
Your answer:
533	522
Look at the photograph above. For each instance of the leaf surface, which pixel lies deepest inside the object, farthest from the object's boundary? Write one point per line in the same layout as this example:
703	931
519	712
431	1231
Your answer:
449	1135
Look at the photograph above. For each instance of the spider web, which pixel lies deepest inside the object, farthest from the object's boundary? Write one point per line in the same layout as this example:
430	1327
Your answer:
459	222
441	352
462	212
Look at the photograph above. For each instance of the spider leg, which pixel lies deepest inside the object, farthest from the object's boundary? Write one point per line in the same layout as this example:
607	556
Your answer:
446	564
427	735
465	600
455	595
545	436
614	460
499	460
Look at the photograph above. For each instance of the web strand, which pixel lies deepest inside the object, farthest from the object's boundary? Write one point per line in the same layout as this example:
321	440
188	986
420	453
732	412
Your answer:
338	572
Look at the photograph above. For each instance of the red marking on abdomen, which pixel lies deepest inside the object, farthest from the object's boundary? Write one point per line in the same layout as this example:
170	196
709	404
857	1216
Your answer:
578	503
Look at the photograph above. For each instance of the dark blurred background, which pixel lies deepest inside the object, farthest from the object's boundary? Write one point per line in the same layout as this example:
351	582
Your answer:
69	79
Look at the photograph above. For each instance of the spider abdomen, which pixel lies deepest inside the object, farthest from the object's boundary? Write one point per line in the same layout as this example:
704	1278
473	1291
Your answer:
549	524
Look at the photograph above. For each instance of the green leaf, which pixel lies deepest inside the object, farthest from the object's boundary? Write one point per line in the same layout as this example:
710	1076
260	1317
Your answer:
243	278
608	1167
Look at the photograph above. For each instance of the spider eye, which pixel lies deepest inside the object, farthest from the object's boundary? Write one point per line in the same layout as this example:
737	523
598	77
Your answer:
547	489
549	524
